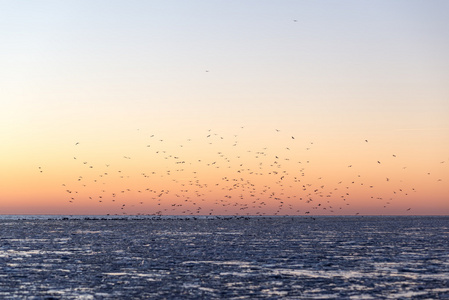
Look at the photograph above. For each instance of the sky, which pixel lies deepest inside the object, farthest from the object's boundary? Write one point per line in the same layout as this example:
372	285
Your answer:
224	107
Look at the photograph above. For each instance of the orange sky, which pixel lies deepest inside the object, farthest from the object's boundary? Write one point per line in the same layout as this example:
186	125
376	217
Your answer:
110	77
239	172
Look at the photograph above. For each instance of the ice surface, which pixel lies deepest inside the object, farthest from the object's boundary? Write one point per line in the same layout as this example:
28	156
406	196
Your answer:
257	257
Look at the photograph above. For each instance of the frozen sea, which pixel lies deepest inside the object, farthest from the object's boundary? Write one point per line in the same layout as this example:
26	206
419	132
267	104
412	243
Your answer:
224	257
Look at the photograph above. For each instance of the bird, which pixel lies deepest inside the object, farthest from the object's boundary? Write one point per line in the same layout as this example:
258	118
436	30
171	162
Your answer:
228	176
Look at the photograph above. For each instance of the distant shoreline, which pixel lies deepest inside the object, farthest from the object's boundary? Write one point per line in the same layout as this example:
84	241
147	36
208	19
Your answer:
199	217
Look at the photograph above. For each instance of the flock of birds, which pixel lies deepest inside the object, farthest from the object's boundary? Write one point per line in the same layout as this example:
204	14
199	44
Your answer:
220	175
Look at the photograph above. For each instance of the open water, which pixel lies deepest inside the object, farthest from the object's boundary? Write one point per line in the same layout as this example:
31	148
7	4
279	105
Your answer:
224	257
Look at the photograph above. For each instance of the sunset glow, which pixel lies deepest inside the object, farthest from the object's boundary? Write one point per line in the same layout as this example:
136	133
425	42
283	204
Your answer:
201	108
